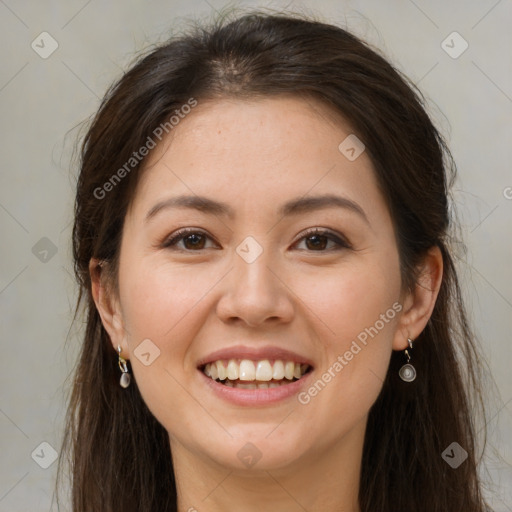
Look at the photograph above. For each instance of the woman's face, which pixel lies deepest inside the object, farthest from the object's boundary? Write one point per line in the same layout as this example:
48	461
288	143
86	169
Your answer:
252	284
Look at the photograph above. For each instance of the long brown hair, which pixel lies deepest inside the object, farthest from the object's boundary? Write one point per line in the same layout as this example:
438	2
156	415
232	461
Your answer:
118	453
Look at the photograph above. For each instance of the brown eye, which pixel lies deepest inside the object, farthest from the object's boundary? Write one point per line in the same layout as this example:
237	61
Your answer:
193	240
317	240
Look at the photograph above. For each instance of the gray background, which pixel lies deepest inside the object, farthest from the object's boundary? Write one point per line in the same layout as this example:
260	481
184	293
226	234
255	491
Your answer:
42	101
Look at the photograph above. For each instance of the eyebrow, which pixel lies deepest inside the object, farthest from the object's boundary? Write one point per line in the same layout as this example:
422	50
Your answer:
293	207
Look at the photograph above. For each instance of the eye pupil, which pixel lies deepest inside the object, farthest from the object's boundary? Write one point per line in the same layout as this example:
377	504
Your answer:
316	239
196	237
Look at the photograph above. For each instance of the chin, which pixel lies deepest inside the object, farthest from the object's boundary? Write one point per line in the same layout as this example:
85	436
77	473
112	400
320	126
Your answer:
253	449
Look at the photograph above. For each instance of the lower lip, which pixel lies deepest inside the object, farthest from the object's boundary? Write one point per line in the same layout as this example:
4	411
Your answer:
256	396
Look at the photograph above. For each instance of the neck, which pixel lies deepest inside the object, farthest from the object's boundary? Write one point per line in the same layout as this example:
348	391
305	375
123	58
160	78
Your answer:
324	479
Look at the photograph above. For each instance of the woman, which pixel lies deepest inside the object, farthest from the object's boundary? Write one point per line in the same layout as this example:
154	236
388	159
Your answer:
274	319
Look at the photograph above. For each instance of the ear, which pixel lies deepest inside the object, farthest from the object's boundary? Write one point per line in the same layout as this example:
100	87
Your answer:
419	303
107	305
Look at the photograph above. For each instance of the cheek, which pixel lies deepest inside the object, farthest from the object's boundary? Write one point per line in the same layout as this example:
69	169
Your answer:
162	305
352	298
356	312
157	299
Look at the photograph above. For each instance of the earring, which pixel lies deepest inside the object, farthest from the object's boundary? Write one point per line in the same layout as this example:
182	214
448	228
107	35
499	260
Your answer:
125	377
408	372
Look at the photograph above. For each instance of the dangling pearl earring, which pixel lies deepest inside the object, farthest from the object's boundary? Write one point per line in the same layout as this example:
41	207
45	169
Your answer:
125	377
408	372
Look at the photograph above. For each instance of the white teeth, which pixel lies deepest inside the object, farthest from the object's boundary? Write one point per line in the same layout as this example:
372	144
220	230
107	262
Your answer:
264	370
247	370
232	370
214	374
278	372
289	368
222	375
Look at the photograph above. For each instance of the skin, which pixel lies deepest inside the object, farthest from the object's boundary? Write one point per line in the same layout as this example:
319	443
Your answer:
254	156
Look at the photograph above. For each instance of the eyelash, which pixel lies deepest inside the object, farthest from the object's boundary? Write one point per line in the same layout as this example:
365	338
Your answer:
183	233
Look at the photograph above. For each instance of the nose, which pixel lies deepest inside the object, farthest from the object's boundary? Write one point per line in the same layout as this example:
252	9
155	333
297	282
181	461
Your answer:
255	293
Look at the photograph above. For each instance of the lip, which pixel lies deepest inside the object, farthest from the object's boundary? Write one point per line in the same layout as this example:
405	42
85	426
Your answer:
255	354
254	397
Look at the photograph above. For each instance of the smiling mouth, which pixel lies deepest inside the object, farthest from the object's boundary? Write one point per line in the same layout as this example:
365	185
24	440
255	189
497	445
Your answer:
249	374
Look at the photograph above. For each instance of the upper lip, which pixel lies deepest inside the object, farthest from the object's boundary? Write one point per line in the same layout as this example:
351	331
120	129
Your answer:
255	354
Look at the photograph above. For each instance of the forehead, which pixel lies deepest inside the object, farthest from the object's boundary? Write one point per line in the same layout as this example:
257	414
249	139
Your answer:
250	152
